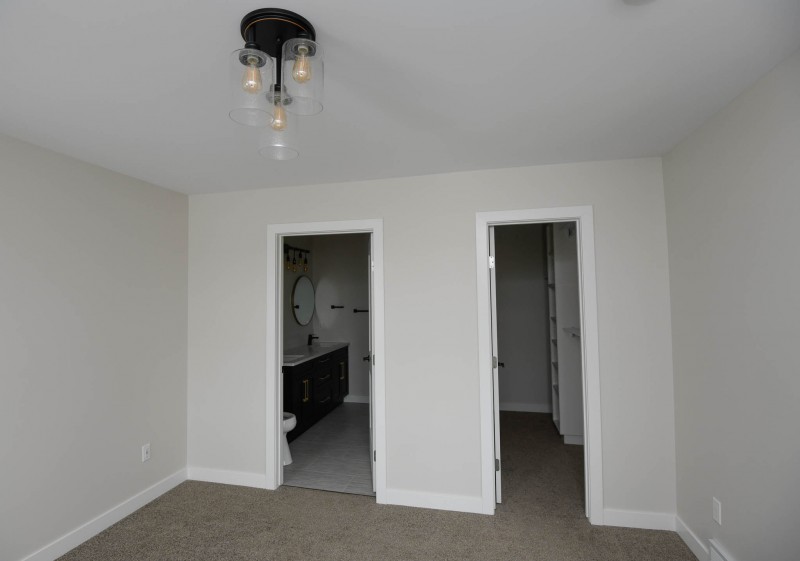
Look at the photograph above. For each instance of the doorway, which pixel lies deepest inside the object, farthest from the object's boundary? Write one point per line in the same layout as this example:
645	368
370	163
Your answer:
539	403
319	394
586	338
326	363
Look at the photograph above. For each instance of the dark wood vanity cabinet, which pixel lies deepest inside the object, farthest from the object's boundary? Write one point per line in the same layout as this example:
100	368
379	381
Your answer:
313	388
298	395
341	379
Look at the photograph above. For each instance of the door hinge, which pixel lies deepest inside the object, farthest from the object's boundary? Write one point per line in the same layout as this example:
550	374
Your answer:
497	464
491	261
372	265
374	456
494	362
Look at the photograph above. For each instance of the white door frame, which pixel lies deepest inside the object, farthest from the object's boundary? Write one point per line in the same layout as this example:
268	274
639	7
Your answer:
593	457
274	386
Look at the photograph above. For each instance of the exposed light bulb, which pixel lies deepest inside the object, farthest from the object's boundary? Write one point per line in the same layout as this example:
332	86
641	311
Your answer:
251	81
301	71
279	118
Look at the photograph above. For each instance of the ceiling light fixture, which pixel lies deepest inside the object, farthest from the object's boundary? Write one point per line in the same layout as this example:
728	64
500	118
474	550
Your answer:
262	92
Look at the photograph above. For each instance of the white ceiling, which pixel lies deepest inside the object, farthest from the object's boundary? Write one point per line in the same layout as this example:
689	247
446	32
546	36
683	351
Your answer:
411	88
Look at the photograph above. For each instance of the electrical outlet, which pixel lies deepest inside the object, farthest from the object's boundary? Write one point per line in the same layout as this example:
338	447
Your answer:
145	452
716	510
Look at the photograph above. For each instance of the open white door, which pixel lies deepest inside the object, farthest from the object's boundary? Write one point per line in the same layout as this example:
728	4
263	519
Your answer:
495	381
371	370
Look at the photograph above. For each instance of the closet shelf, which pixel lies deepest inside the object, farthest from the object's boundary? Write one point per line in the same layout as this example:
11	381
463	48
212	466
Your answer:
573	331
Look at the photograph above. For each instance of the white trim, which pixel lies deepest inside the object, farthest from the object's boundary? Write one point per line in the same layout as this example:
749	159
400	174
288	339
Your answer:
439	501
593	455
694	543
74	538
356	399
644	520
274	392
716	551
574	439
526	407
227	477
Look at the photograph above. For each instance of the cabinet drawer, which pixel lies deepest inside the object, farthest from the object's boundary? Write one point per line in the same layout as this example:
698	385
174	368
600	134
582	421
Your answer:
323	394
323	376
323	362
299	370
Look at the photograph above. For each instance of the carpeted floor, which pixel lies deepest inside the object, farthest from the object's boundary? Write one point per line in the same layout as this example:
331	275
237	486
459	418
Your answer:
541	518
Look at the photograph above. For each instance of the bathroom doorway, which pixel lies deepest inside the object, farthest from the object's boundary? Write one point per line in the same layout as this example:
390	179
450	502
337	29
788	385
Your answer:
325	356
540	386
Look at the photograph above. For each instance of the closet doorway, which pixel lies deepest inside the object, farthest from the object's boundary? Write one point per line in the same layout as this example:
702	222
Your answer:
310	378
538	357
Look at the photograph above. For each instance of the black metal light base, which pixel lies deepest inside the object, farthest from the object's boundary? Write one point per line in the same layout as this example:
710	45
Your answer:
269	28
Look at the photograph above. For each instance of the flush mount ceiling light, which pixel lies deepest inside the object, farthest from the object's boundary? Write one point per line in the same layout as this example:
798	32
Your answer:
269	94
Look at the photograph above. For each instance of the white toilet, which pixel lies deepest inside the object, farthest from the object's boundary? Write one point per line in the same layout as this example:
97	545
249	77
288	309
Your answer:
289	422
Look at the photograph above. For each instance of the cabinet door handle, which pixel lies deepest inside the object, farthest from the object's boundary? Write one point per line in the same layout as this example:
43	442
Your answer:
305	391
326	400
326	360
328	377
341	370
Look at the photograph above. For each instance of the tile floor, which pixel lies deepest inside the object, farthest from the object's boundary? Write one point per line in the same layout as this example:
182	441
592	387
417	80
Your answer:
333	455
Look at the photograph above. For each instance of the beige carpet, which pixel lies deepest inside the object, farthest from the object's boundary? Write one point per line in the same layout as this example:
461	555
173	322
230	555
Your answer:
540	519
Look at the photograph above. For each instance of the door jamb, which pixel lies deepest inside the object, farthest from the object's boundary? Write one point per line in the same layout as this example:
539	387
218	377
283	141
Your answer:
593	457
274	381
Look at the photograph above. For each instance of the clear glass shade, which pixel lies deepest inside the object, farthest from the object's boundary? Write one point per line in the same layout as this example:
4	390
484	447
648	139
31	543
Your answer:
279	140
250	83
302	76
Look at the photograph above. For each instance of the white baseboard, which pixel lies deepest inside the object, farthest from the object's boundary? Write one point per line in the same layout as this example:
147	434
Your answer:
227	477
356	399
639	519
699	549
439	501
573	439
718	553
526	407
93	527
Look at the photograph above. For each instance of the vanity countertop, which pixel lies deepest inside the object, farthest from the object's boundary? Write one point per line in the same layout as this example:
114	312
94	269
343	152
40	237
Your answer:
299	355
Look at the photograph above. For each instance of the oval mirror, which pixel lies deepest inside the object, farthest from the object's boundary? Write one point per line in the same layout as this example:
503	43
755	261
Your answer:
303	300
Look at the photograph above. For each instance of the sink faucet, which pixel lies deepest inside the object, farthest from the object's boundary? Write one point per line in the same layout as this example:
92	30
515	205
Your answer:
311	338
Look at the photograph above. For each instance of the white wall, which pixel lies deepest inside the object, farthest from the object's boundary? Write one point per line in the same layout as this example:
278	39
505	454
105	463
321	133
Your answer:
342	278
93	341
431	320
733	194
523	336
